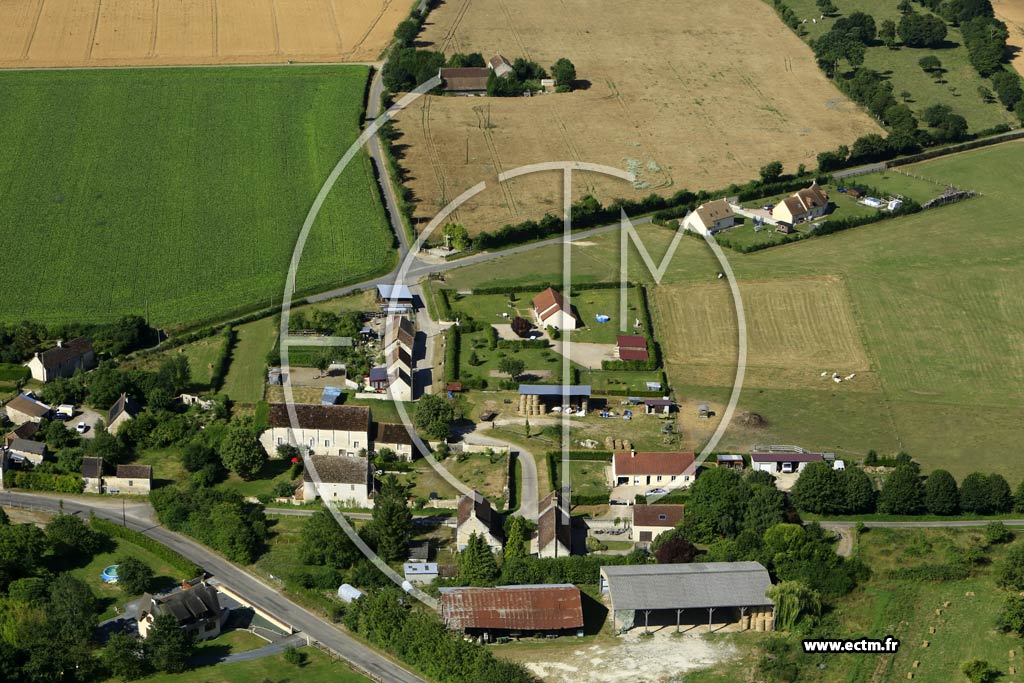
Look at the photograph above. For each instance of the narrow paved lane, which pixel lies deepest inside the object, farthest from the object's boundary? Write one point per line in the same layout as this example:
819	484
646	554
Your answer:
241	581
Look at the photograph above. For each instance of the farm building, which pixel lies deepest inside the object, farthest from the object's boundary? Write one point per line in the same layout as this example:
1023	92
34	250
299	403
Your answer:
731	461
420	572
631	347
394	299
22	409
399	333
63	360
23	450
650	521
130	479
378	378
552	310
476	516
691	594
659	406
538	399
334	430
633	468
465	80
395	437
196	609
344	479
125	409
710	218
500	66
783	461
92	474
551	609
554	528
25	430
804	205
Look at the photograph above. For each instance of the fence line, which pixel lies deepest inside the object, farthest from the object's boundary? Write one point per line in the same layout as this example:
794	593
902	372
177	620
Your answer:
335	657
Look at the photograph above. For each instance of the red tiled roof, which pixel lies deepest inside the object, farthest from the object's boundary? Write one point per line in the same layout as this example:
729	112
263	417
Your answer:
672	462
547	303
515	608
631	341
633	354
657	515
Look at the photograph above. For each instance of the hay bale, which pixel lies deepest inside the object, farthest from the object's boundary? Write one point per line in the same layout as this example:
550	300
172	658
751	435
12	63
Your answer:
946	603
916	663
931	629
938	611
924	644
910	674
1013	653
748	419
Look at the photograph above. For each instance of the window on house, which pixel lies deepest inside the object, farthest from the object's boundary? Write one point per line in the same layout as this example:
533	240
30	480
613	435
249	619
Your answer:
312	442
673	478
351	487
210	626
659	477
327	444
662	517
280	441
131	483
355	444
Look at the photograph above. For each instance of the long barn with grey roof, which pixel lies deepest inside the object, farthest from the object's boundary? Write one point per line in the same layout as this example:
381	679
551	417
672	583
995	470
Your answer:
712	593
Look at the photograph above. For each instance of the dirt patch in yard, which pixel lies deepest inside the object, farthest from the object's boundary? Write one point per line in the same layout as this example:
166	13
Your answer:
36	33
684	94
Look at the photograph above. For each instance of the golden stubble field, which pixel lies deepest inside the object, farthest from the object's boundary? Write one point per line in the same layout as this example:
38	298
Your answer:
1011	12
69	33
687	94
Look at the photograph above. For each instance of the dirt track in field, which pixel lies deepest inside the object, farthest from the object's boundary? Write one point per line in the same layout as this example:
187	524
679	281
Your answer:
1011	12
96	33
688	94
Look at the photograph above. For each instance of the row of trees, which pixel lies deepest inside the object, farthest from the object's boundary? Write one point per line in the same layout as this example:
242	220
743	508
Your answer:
128	333
823	490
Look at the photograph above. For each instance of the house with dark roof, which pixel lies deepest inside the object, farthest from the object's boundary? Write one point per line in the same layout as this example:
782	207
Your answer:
650	521
399	332
26	430
804	205
395	437
23	408
631	347
125	409
552	310
136	480
549	609
730	594
343	479
710	218
196	609
659	406
23	450
92	474
554	528
465	80
320	429
653	468
476	516
63	360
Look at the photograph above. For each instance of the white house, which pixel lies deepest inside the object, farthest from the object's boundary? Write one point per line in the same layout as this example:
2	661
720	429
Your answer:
136	480
805	205
23	450
196	609
638	468
550	308
347	480
324	430
650	521
783	461
395	437
476	516
554	528
63	360
707	219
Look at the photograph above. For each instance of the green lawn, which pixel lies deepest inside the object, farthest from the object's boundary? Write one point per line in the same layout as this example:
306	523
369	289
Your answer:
960	89
180	192
246	378
586	477
617	380
110	596
318	669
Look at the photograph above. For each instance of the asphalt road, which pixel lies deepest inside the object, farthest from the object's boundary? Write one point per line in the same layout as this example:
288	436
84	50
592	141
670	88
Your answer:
242	582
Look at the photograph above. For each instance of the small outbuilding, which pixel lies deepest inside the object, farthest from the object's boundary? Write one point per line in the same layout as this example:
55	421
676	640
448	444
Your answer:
631	347
538	399
650	521
23	408
785	462
731	461
465	80
420	572
23	450
550	609
660	406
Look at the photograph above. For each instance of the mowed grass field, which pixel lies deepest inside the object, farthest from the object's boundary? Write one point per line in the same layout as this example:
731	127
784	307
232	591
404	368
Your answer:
180	192
924	309
686	95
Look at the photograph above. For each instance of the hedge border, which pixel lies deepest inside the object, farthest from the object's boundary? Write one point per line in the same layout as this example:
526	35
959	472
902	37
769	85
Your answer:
172	557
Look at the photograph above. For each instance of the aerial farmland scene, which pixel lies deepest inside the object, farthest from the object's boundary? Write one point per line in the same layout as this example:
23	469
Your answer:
471	341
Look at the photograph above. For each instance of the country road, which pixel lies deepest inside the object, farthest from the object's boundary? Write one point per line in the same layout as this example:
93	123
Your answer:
241	581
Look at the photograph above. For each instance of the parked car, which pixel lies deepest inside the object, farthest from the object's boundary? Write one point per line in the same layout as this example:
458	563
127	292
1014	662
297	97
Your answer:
657	492
81	428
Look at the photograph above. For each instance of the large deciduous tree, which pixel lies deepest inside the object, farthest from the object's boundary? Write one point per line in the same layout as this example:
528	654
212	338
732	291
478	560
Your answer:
240	451
434	416
940	493
391	525
902	493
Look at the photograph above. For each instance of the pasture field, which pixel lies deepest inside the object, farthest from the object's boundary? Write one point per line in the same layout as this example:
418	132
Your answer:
319	669
687	95
245	379
37	33
180	192
959	88
922	308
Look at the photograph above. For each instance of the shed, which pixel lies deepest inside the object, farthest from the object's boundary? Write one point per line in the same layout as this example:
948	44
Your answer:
330	396
466	80
347	592
730	460
420	572
537	399
23	450
659	405
542	608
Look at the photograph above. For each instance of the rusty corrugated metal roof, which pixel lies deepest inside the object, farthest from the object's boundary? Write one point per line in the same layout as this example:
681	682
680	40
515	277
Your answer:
549	607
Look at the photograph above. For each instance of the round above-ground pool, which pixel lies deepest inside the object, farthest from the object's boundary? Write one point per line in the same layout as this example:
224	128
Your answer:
109	574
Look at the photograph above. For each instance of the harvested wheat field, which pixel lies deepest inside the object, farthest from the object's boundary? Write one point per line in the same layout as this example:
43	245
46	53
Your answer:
69	33
1011	12
686	94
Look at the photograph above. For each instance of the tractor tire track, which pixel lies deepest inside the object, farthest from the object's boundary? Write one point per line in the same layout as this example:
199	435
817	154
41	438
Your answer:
436	167
366	34
506	189
449	35
32	32
512	29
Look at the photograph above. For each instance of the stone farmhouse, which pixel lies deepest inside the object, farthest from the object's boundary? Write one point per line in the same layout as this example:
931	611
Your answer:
63	360
344	479
323	429
476	516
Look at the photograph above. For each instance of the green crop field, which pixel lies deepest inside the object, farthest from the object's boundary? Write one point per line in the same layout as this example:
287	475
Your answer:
960	82
180	191
923	309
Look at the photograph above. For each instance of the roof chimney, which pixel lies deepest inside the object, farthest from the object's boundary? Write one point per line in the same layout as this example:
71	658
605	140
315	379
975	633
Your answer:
60	343
632	452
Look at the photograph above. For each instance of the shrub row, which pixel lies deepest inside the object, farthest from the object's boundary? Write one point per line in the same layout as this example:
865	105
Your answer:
589	498
223	361
44	481
175	559
516	289
523	343
453	339
444	306
582	455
